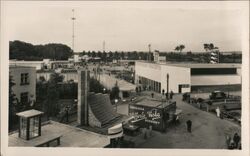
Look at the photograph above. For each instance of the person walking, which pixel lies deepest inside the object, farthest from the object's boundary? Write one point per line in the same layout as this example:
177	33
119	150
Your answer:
236	139
171	94
189	126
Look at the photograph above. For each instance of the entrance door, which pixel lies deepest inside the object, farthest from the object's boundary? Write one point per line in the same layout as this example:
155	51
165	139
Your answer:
180	88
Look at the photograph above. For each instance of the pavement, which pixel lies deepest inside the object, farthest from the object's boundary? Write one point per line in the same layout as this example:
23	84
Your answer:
208	131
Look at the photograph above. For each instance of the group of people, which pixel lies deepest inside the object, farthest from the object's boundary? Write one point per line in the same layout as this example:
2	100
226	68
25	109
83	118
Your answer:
234	143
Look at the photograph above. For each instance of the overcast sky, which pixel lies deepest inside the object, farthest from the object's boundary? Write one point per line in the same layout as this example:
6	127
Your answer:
126	25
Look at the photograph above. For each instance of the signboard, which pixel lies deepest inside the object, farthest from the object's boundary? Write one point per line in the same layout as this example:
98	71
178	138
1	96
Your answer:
151	116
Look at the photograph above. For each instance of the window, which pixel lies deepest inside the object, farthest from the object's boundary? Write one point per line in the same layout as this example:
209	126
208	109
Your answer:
24	78
23	127
34	127
24	98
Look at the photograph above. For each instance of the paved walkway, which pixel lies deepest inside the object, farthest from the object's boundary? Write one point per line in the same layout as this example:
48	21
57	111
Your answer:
208	131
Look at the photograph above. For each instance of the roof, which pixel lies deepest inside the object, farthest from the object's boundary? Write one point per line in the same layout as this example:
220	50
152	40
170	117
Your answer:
206	65
198	65
18	66
70	137
152	102
25	61
101	107
29	113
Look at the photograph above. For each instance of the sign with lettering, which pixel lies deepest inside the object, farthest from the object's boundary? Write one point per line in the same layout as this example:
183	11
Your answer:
151	115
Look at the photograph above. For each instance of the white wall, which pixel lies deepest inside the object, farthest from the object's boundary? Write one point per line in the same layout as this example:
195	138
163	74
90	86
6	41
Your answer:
38	64
158	72
16	76
148	70
177	75
215	80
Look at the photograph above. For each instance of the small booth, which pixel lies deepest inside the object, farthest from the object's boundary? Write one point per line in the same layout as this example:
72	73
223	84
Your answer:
29	124
153	113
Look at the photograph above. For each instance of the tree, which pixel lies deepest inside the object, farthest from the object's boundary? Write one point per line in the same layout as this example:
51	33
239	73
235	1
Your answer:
25	51
12	103
177	48
95	86
182	47
52	108
115	92
206	46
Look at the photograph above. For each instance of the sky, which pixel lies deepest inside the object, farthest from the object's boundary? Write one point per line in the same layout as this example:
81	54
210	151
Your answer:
126	26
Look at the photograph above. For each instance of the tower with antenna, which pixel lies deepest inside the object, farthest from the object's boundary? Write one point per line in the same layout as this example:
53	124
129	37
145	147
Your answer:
76	57
103	46
149	52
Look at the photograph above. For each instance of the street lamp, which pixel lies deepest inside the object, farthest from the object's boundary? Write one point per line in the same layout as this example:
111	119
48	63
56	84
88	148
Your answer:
116	101
67	113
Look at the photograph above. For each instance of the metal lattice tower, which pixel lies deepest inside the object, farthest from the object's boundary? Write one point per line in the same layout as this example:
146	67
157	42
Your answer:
103	46
149	52
73	29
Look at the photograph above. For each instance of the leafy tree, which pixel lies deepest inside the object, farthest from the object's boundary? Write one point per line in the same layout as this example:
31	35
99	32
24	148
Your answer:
12	104
206	46
182	47
95	86
114	94
177	48
52	108
25	51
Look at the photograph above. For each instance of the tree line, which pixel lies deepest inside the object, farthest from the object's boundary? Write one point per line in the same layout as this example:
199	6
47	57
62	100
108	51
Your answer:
26	51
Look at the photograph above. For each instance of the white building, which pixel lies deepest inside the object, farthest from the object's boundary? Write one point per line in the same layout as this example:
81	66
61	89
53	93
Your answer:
185	77
25	83
37	64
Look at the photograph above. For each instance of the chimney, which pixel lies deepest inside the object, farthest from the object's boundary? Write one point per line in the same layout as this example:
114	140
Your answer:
83	88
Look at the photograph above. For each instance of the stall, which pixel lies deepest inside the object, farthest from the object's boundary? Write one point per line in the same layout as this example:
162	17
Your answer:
156	113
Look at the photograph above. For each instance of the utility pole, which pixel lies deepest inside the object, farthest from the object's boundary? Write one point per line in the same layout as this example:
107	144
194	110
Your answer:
73	29
149	52
103	46
167	85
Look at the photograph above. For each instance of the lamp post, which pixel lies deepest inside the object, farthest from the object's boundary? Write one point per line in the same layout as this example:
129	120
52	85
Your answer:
167	85
116	101
67	113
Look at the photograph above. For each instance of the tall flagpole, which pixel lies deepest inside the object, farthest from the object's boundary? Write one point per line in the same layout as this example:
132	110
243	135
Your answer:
73	29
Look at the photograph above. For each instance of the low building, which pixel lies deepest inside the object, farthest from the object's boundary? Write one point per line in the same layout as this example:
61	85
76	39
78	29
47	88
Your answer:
25	83
37	64
33	133
157	113
125	87
182	77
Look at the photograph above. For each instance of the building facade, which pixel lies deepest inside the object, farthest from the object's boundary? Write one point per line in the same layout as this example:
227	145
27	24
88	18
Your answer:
25	83
185	77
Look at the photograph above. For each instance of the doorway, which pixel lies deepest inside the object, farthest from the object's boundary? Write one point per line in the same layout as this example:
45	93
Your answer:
180	89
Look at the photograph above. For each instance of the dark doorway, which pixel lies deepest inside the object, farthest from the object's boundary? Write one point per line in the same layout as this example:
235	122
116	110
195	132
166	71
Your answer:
180	89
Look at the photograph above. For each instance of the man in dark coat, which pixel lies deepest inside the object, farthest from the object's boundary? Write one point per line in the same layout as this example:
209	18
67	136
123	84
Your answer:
236	139
189	126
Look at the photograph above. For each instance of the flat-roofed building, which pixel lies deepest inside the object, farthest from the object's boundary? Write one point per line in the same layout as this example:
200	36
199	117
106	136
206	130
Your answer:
25	83
37	64
186	77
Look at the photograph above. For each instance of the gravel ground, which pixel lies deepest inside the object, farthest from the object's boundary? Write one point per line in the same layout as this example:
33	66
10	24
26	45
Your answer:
208	131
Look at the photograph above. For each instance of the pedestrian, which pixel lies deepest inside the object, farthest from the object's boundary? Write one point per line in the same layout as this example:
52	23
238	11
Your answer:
217	111
171	94
152	94
236	139
189	126
228	139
